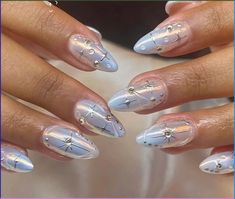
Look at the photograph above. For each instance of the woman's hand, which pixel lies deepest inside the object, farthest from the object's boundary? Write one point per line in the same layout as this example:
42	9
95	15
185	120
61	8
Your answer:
36	29
188	29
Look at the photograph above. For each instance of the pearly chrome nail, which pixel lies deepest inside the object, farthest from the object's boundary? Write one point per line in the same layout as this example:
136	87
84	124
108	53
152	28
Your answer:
96	119
69	142
219	163
92	53
139	96
167	134
97	33
15	159
163	39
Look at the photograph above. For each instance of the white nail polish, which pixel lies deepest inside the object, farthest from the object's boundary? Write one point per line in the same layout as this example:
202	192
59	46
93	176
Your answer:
164	39
142	95
69	142
15	159
168	134
97	33
92	53
219	163
98	120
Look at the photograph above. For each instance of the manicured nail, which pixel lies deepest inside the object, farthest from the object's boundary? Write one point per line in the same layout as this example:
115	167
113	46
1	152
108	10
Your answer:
139	96
69	142
97	33
219	163
92	53
163	39
15	159
171	4
167	134
98	120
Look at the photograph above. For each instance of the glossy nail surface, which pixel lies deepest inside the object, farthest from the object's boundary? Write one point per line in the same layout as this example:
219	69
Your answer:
219	163
69	142
15	159
140	96
163	39
96	119
167	134
92	53
97	33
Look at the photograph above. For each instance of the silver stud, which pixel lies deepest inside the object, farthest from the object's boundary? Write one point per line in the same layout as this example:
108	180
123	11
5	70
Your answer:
82	120
109	117
152	99
159	48
131	89
169	28
46	139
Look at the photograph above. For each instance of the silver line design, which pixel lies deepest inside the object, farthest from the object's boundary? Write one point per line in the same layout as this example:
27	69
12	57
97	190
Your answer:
98	120
15	159
69	142
92	53
140	96
219	163
163	39
168	134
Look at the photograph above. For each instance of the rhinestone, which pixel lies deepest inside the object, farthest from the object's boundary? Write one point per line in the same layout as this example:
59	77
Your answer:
131	89
169	28
109	117
159	48
91	51
82	121
153	99
46	139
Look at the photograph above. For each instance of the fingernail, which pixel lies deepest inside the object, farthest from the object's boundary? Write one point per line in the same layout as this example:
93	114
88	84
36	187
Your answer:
167	134
171	4
219	163
97	33
92	53
163	39
15	159
69	142
139	96
98	120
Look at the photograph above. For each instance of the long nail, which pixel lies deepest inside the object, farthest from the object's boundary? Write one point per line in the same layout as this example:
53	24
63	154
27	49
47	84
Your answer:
15	159
219	163
69	142
139	96
97	33
167	134
96	119
92	53
163	39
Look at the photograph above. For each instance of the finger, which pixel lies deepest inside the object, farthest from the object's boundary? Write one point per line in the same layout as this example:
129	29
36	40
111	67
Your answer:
210	76
58	33
220	162
33	130
15	159
206	25
38	82
191	130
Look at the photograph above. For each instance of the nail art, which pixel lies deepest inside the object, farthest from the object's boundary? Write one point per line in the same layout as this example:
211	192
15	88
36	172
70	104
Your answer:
219	163
15	159
163	39
92	53
139	96
98	120
69	142
97	33
168	134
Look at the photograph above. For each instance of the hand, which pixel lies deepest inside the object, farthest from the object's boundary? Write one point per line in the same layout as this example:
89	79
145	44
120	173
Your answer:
188	29
36	30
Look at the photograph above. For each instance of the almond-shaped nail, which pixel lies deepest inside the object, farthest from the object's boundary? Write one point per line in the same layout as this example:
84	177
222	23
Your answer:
142	95
95	118
168	134
69	142
94	30
163	39
92	53
15	159
219	163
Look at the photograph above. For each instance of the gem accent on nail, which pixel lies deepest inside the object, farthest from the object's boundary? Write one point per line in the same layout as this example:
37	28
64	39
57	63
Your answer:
15	159
168	134
163	39
69	142
219	163
92	53
142	95
98	120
